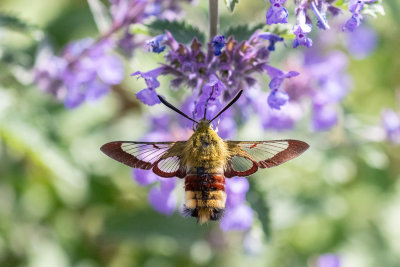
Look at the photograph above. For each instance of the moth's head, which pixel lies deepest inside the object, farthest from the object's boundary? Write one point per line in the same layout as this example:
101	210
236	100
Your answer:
203	123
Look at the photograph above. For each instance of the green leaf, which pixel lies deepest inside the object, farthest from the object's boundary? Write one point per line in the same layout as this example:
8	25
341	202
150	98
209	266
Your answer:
230	4
182	32
242	32
138	28
15	23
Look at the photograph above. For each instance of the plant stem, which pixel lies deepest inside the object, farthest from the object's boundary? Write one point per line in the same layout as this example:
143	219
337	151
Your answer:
213	13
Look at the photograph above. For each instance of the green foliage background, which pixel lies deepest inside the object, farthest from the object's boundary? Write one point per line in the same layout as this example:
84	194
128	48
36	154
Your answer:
63	203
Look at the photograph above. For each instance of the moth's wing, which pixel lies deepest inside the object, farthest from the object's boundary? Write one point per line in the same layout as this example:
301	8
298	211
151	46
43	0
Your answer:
162	157
247	156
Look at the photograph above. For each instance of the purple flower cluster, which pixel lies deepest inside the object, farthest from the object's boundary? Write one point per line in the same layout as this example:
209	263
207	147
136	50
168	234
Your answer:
278	14
391	125
88	78
216	75
88	68
323	80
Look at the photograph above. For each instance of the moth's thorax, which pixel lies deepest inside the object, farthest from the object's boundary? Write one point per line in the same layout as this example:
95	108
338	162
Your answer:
205	149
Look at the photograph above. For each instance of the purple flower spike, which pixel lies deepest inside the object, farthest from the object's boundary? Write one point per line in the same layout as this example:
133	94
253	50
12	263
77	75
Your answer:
391	124
277	98
155	45
272	38
144	177
163	202
218	43
328	260
239	218
277	13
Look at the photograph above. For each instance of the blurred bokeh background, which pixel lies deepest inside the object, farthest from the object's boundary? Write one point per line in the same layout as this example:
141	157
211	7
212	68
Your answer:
64	203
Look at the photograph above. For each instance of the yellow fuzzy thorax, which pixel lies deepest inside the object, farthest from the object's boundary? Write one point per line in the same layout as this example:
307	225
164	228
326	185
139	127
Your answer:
205	148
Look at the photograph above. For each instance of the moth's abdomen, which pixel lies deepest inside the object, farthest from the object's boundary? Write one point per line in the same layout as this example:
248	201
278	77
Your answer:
205	196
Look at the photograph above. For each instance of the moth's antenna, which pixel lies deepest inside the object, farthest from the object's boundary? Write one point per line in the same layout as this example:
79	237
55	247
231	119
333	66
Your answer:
229	104
174	108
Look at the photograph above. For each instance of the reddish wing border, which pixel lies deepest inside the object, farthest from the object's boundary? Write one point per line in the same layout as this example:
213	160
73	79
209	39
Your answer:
264	154
142	155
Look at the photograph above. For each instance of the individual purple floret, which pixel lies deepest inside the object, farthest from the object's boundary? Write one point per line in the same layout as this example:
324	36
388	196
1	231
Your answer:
278	76
277	13
355	7
328	260
272	38
277	98
391	125
218	43
148	95
156	45
301	36
302	28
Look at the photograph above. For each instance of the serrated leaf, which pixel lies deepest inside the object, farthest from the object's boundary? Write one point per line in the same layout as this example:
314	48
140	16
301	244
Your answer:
230	4
242	32
182	32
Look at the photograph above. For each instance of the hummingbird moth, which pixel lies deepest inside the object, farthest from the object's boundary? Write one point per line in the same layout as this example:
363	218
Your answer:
204	161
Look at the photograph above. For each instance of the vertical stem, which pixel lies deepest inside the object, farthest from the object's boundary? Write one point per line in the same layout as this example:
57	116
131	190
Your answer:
213	13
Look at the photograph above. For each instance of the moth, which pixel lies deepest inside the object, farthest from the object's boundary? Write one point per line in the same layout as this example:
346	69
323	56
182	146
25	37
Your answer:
204	161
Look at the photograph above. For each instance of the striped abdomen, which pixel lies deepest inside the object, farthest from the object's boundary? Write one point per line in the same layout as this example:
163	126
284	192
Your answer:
205	196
